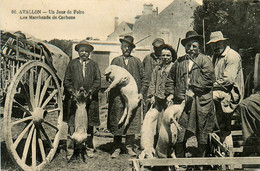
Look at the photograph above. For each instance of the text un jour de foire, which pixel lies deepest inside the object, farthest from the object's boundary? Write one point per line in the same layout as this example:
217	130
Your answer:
25	14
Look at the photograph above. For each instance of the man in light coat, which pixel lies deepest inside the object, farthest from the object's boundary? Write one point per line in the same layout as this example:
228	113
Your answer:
229	86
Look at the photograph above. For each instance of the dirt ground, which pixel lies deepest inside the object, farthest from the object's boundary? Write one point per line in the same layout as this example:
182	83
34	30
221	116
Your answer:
101	161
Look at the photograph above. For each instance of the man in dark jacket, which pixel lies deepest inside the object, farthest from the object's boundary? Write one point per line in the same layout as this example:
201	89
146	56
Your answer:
82	72
116	103
149	63
249	111
192	78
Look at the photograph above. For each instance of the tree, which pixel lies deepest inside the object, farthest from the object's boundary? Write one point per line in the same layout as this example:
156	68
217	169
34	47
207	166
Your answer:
238	20
64	45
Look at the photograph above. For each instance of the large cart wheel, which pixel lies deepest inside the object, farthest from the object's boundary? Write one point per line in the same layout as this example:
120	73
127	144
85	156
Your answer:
33	116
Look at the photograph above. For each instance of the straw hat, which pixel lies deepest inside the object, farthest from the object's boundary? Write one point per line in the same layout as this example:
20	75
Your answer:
216	36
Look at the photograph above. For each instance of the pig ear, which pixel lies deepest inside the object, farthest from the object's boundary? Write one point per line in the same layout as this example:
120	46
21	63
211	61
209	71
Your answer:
107	72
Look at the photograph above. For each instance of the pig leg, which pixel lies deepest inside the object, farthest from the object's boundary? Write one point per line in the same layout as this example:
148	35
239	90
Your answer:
132	104
121	121
128	116
174	133
165	136
173	120
123	118
147	134
112	85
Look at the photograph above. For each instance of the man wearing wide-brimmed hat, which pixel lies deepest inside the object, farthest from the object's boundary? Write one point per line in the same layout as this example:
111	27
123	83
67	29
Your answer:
116	104
82	72
193	77
229	85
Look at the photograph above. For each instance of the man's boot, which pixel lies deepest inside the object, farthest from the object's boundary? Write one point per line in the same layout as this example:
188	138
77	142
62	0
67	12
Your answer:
130	144
118	146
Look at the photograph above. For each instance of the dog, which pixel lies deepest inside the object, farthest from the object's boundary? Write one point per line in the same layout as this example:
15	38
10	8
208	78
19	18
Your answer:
121	78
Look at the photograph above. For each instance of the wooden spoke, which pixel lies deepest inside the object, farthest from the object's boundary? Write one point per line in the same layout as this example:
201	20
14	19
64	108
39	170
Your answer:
46	136
49	98
46	84
26	95
22	120
27	144
39	81
51	125
22	108
41	145
18	139
34	149
53	110
31	90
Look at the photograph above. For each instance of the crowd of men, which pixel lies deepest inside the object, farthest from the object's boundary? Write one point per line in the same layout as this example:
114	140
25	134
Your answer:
211	86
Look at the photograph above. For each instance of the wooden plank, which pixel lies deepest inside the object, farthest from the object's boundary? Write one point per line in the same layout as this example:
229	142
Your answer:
198	161
21	50
237	133
257	69
238	150
14	58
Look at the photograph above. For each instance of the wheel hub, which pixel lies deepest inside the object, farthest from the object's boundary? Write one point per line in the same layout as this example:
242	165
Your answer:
38	115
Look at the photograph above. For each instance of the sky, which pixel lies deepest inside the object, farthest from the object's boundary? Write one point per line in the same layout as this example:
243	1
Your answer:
97	20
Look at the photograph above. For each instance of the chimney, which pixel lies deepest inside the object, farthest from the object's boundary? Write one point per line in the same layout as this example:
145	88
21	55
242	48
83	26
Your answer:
155	11
148	9
116	23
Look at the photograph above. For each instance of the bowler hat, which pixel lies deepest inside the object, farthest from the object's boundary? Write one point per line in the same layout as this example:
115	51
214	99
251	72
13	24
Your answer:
216	36
128	39
158	42
192	35
86	44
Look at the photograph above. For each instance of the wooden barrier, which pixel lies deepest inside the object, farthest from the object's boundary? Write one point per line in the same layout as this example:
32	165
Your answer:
139	164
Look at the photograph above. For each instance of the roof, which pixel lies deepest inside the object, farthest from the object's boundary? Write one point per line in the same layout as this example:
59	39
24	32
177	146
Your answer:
130	25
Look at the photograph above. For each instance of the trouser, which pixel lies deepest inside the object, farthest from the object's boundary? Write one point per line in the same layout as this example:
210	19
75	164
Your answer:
223	118
129	141
71	145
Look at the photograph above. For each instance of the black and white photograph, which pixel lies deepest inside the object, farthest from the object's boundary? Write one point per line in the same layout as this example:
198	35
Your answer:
130	85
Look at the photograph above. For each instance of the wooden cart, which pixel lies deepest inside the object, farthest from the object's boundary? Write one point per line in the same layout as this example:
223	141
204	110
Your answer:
31	94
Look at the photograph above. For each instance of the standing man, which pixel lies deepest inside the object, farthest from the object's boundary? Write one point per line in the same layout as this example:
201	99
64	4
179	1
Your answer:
229	85
159	98
192	77
116	104
150	62
82	72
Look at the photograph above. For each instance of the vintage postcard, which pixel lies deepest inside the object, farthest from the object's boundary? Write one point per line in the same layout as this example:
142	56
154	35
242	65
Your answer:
183	96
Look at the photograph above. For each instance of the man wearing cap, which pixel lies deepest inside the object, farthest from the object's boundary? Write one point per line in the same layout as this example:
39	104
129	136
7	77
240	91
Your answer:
150	62
229	85
192	78
82	72
116	104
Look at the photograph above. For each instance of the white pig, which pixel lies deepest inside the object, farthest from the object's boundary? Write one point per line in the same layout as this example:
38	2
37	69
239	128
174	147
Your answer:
81	118
120	77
